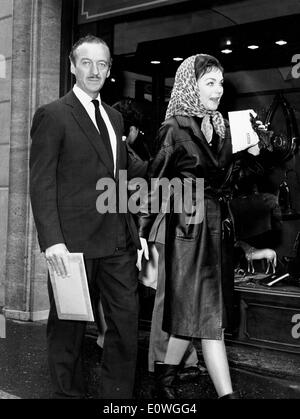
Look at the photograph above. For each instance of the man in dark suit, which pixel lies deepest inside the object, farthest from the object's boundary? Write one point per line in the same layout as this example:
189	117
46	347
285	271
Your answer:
76	141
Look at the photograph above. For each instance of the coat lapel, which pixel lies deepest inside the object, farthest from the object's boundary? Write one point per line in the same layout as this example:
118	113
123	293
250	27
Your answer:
89	129
121	146
190	123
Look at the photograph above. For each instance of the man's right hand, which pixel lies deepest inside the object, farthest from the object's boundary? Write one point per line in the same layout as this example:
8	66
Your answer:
57	259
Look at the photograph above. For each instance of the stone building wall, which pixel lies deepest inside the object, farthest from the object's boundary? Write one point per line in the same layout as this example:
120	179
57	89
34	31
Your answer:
6	18
35	72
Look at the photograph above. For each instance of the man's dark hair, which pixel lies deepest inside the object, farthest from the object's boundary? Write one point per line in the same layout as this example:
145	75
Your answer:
204	63
90	39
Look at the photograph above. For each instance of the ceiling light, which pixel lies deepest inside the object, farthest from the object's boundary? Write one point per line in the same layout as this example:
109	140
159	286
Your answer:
226	51
177	59
155	62
253	46
281	42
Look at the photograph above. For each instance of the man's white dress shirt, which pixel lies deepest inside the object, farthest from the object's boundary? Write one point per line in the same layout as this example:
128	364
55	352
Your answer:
86	102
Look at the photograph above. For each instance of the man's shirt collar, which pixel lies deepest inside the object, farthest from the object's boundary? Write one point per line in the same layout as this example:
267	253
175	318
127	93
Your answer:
84	98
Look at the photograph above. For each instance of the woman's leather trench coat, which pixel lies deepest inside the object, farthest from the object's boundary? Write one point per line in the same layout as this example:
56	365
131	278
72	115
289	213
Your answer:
199	268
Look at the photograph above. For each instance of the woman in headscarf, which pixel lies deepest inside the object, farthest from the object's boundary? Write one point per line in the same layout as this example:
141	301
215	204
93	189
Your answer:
194	143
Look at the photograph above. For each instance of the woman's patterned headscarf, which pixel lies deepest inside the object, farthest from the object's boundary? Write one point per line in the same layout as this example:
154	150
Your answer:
186	101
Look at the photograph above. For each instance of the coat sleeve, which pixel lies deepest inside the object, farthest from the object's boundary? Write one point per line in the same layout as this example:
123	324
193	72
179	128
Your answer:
136	166
159	167
248	170
47	135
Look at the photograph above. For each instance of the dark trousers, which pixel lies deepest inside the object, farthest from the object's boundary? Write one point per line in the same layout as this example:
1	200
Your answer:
114	280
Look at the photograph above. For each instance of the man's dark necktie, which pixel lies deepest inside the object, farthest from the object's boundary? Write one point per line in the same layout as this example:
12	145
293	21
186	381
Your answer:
102	128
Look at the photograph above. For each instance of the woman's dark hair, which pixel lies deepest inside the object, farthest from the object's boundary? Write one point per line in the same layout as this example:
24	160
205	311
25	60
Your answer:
205	63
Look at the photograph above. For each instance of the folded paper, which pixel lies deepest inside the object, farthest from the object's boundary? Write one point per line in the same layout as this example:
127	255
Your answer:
243	135
71	293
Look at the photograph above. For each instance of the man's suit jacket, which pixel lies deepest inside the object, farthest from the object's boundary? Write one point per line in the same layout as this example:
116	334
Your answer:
67	159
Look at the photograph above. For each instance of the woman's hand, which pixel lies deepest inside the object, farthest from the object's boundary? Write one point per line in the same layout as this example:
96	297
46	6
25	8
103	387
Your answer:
259	125
143	251
263	134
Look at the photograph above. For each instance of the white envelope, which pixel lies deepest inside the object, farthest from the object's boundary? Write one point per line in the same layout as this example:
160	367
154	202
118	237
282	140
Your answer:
242	134
71	294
